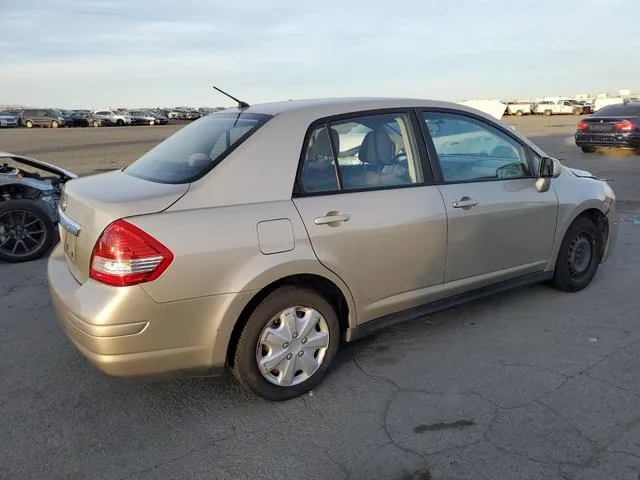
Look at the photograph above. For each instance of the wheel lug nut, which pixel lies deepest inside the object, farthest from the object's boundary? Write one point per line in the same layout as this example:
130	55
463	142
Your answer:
289	357
295	335
285	345
304	340
300	353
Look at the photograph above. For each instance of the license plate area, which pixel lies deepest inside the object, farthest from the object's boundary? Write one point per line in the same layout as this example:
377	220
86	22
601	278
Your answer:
69	244
601	128
69	231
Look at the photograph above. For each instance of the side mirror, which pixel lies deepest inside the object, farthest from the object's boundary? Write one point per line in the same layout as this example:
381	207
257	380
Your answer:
549	168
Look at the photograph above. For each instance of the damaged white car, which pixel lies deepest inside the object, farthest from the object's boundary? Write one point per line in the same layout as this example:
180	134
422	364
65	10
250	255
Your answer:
30	191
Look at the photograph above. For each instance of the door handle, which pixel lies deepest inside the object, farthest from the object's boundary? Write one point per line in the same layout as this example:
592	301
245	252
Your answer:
333	219
465	203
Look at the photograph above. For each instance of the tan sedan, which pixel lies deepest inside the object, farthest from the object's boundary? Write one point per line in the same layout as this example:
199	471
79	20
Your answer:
262	237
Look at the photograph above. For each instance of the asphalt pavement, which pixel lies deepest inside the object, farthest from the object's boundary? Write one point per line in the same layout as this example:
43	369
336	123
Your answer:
528	384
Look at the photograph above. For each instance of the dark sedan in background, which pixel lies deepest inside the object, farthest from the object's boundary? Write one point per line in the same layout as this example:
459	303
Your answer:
82	119
612	126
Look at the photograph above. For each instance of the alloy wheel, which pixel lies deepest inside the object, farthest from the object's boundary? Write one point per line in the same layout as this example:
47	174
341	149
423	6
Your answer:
21	233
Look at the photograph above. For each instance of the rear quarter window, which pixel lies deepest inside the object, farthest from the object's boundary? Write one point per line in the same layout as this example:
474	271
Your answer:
194	150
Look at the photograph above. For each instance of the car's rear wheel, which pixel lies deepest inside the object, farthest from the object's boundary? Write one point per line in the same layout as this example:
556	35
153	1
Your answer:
54	124
28	124
287	344
547	113
120	122
579	256
95	123
519	113
152	122
26	231
588	149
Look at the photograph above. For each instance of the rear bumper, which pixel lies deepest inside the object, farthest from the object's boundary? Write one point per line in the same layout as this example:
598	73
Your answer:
124	333
625	140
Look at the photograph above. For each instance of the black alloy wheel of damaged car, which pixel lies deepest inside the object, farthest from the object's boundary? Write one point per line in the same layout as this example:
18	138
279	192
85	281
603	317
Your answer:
26	231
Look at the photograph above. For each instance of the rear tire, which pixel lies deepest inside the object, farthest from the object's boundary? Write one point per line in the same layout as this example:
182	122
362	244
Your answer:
519	113
28	124
588	149
251	346
95	124
579	256
34	222
54	124
547	113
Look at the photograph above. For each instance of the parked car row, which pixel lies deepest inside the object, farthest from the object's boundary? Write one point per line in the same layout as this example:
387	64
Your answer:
55	118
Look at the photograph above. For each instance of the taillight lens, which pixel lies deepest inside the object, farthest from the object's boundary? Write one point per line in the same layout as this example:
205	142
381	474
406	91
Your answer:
625	126
582	126
126	255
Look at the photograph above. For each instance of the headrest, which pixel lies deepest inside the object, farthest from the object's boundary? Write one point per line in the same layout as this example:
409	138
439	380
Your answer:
322	146
377	148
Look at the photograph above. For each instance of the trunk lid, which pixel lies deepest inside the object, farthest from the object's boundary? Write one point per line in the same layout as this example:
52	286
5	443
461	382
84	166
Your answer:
603	124
91	203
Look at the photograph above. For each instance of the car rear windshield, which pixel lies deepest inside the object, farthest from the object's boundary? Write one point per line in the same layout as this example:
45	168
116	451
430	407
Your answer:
628	110
194	150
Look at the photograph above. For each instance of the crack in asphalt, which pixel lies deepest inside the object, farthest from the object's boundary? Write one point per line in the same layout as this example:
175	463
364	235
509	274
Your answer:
612	385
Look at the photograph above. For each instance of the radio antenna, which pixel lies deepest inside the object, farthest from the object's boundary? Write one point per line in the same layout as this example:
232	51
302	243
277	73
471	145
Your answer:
241	104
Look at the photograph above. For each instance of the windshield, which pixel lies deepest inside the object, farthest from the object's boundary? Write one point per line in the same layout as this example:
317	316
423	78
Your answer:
191	152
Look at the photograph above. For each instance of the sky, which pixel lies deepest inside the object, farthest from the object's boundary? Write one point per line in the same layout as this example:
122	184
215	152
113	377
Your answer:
148	53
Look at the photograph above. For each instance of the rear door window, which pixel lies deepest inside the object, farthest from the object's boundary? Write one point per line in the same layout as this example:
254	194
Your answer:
197	148
363	152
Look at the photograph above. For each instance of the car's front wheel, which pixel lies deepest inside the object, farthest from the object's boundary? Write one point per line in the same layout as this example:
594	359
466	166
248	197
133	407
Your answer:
588	149
579	256
287	344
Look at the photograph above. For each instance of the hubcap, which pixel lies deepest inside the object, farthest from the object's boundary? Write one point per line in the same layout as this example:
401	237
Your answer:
292	346
21	233
580	253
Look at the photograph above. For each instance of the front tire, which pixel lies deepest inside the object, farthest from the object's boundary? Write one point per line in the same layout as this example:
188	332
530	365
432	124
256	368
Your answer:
95	124
547	113
588	149
579	256
28	124
519	113
26	231
287	345
55	124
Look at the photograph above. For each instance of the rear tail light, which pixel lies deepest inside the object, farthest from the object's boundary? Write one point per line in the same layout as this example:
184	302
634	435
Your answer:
582	126
126	255
625	126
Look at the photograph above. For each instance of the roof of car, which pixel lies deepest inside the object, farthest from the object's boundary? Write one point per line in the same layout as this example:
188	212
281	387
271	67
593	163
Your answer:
347	104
